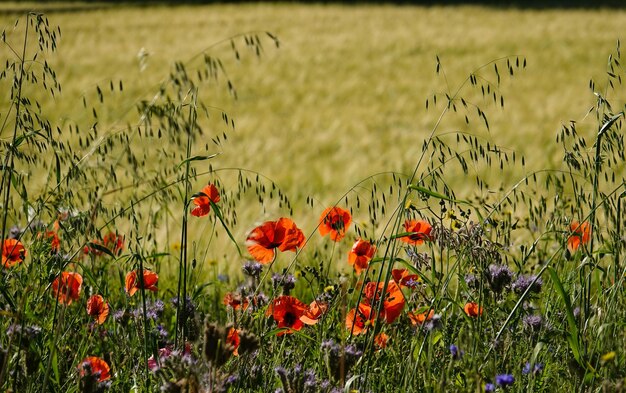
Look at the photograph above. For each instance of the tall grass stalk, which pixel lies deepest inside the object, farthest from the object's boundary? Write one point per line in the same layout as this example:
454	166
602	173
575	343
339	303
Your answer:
489	249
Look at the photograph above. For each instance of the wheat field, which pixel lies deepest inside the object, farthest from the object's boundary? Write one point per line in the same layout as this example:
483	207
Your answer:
343	96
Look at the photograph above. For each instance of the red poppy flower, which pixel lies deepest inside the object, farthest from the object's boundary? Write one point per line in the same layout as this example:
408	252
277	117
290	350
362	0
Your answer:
55	241
112	241
404	278
336	221
419	231
287	311
393	302
473	310
98	308
235	301
282	234
581	234
419	318
13	252
360	318
53	237
360	255
232	338
314	313
66	287
203	202
150	280
95	366
381	340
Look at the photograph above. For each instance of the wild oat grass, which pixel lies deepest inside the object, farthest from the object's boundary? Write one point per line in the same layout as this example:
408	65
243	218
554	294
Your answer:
134	256
344	95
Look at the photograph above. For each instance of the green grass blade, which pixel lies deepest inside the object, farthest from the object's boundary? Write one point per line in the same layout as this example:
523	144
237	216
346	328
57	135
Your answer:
100	248
573	338
218	214
197	158
437	195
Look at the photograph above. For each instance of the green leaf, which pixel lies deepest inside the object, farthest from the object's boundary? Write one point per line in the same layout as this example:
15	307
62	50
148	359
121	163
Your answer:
538	348
197	291
350	381
609	123
436	194
413	270
218	214
437	337
55	368
58	167
572	338
197	158
402	234
100	248
274	332
21	138
8	297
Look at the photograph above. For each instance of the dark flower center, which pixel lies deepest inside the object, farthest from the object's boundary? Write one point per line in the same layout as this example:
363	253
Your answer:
289	319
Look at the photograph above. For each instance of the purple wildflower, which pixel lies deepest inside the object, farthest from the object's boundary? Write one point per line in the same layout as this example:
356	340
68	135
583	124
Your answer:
325	297
257	302
329	345
161	331
489	387
411	283
252	268
121	316
523	282
471	281
353	351
280	371
499	277
287	281
191	307
455	352
533	322
310	381
505	379
537	369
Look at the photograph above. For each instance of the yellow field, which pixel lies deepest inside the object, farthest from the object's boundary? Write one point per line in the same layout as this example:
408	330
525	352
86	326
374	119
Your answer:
344	95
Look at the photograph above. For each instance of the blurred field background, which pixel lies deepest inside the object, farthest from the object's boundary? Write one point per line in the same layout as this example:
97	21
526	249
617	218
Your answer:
344	95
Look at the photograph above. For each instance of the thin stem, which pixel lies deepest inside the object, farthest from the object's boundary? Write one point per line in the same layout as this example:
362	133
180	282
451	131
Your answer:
145	322
181	310
7	173
9	161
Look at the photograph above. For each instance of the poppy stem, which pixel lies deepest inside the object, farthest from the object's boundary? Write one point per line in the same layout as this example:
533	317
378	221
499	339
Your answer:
181	309
142	288
55	329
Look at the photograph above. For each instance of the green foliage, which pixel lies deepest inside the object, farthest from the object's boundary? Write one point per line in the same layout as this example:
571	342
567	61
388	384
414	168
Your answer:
448	292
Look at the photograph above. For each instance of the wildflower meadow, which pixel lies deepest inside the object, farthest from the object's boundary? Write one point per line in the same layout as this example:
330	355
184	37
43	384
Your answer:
132	261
